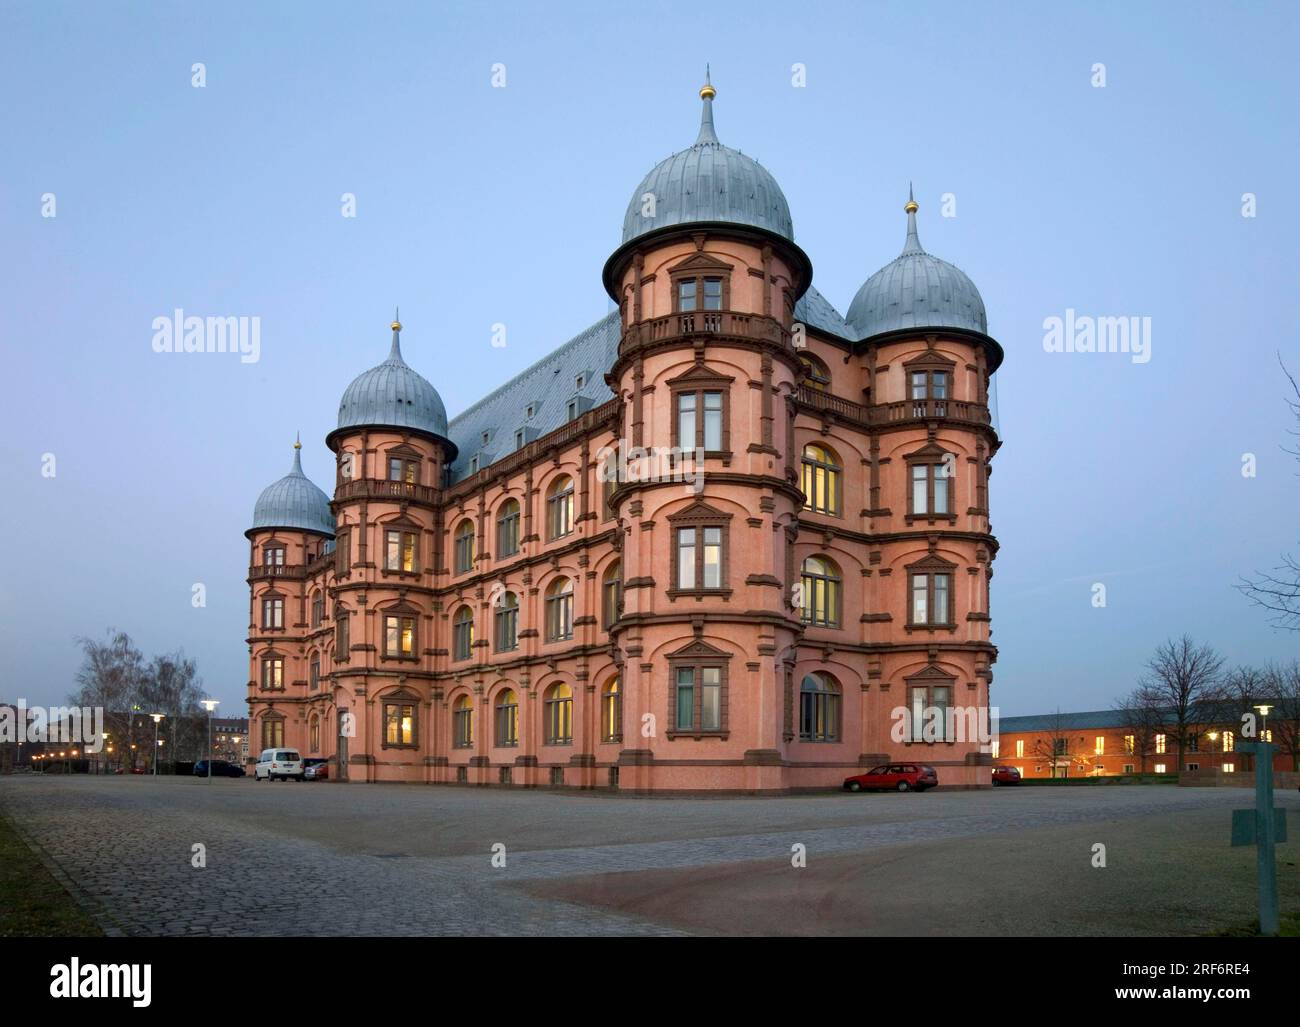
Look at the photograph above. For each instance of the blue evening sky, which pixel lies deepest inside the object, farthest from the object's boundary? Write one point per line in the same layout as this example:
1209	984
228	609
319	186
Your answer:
478	205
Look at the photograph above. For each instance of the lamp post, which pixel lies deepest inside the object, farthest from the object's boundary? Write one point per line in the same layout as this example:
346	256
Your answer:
156	718
210	705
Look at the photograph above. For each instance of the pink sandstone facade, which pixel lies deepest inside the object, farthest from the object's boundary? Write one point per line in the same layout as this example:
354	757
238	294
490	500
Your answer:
521	621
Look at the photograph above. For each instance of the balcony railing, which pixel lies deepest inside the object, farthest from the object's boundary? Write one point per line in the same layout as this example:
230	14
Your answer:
376	488
901	410
706	322
262	572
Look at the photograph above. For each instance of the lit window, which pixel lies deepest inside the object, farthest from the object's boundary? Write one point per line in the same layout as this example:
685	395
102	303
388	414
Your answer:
273	673
399	551
1128	744
1100	747
1020	748
1228	741
821	592
821	480
1160	768
399	635
399	723
611	713
815	375
463	722
559	507
1160	745
507	711
1229	768
558	715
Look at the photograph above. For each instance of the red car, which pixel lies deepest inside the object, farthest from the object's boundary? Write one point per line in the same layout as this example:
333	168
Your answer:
1006	776
899	777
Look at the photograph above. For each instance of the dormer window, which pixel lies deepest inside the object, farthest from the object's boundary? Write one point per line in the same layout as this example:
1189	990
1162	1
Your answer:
573	409
485	438
580	381
519	439
473	465
528	412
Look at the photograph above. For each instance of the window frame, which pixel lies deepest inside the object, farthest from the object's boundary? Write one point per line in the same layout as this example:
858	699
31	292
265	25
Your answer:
699	515
399	701
505	714
508	519
506	615
832	474
556	602
931	568
462	633
557	714
833	593
827	707
560	500
401	614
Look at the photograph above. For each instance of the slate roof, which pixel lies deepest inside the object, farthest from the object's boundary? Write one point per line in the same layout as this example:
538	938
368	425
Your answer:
1062	722
393	394
548	386
551	383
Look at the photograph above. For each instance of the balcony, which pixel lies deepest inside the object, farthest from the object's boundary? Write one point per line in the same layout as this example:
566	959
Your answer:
265	572
376	488
893	413
724	323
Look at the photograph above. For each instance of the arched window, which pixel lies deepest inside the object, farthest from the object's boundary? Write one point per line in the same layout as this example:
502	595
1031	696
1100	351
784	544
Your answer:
559	610
462	632
462	718
272	731
821	480
313	672
819	709
342	650
558	714
559	507
821	592
611	597
815	375
464	546
508	528
317	608
611	712
313	735
507	622
507	711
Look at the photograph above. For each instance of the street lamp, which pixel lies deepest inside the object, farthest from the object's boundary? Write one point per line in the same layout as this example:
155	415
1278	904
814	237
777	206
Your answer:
156	718
210	705
1264	710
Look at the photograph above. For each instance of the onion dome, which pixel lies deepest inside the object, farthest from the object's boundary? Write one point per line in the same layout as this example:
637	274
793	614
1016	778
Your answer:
392	395
294	502
708	183
916	290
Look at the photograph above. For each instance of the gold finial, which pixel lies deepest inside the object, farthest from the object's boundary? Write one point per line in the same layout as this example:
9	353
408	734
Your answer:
297	441
396	325
707	92
910	206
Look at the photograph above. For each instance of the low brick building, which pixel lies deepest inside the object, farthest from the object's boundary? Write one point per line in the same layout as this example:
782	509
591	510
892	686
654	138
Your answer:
1108	742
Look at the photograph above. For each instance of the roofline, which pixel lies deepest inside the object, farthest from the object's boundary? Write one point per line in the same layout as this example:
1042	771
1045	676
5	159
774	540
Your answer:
743	231
288	527
452	452
990	344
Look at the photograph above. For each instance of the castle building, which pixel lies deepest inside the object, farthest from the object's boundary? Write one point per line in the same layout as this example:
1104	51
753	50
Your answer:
724	539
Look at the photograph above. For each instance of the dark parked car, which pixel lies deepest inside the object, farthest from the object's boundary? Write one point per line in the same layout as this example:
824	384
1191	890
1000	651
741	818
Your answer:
220	768
315	769
900	777
1006	776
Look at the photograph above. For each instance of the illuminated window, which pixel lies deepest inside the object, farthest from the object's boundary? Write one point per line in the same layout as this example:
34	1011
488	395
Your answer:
399	551
313	735
1160	744
314	678
1100	747
1229	768
611	713
272	733
507	711
1020	748
399	723
1160	768
399	635
815	375
273	673
1228	741
400	469
557	715
821	480
463	722
1128	744
996	748
821	592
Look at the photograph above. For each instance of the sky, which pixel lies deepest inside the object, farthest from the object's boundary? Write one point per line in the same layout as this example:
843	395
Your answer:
477	205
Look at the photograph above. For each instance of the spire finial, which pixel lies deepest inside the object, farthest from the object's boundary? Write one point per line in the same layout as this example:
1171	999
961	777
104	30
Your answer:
707	93
297	440
297	454
396	352
913	244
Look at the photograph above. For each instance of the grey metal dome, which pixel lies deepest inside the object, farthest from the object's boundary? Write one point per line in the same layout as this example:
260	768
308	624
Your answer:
394	395
708	182
916	290
294	502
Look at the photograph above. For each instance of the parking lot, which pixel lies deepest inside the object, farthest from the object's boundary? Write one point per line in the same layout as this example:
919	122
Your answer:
410	860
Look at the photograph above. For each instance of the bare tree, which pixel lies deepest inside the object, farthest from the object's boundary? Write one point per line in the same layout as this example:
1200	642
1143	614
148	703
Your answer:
1142	720
112	673
1283	688
1183	680
1278	591
173	687
1054	746
1243	688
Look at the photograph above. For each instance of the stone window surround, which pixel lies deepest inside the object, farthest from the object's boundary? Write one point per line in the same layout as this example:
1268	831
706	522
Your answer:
928	678
931	565
398	699
698	380
835	474
698	655
701	515
401	611
931	455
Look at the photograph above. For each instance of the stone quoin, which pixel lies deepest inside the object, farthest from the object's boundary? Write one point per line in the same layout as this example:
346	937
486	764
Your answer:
481	602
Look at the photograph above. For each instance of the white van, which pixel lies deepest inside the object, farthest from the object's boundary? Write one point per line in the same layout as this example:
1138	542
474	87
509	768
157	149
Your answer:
278	764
